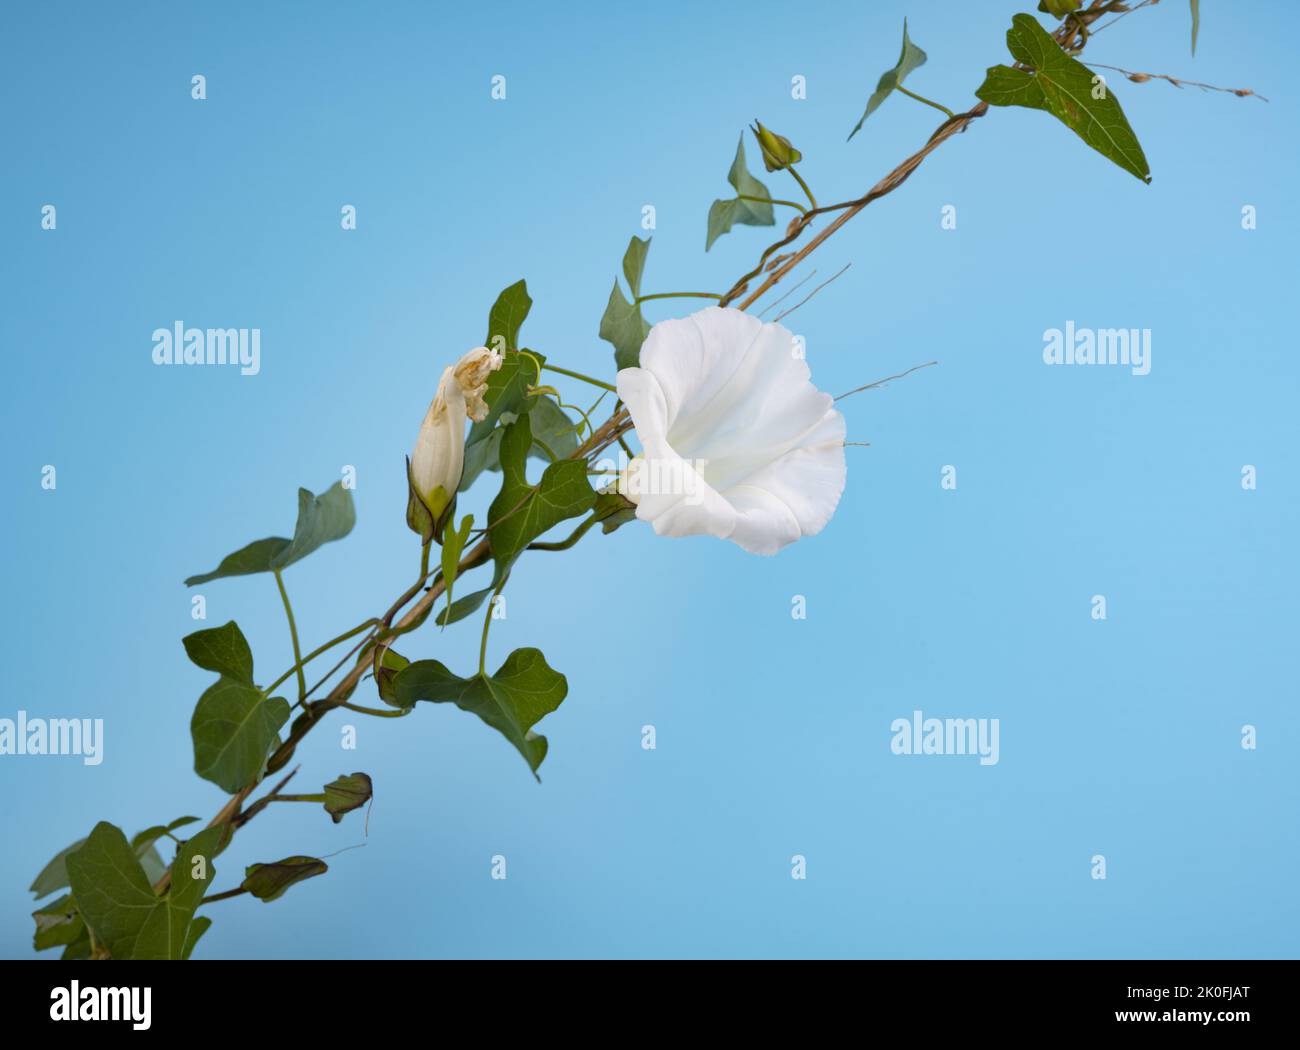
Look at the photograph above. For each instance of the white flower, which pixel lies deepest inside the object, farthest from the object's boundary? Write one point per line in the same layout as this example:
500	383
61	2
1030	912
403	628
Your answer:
439	456
737	442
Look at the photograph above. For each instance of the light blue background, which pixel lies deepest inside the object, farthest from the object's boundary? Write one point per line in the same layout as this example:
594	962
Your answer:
1120	738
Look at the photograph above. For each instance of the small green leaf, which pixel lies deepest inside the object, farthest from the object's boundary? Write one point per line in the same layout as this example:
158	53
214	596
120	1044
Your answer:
198	927
622	325
522	691
57	924
389	665
507	316
347	793
453	543
233	728
1196	23
521	511
54	876
909	59
1059	8
141	842
613	510
222	649
321	519
1063	87
470	603
723	214
118	903
267	882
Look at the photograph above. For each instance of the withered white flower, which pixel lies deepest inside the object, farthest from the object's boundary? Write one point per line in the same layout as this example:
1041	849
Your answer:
439	457
737	442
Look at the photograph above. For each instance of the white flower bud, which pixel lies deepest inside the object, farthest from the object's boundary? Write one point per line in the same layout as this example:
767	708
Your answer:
439	456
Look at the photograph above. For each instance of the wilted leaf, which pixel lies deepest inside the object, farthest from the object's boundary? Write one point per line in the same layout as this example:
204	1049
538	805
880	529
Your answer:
57	923
347	793
321	519
1062	86
522	691
909	59
268	882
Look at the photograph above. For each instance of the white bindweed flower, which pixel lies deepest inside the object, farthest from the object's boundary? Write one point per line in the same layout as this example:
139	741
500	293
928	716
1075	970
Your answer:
439	457
737	442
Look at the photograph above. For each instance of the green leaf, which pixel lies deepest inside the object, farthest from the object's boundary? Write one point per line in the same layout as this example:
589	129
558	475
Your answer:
1196	24
507	398
222	649
141	842
117	901
347	793
908	60
453	543
613	510
634	263
622	324
725	214
233	728
389	665
57	923
54	876
522	691
470	603
267	882
1059	8
507	316
321	519
1062	86
521	511
197	929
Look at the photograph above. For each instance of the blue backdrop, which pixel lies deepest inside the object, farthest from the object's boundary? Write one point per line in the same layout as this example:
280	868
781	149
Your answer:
1119	738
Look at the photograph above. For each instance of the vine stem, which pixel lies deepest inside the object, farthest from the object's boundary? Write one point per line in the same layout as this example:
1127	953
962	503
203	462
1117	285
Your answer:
922	98
772	200
677	295
293	634
326	647
578	375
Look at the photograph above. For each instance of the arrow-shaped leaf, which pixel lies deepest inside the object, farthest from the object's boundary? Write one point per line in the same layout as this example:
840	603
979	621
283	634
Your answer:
1064	87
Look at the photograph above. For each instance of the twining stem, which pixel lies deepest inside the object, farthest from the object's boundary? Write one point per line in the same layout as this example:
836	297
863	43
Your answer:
769	200
487	623
676	295
803	185
320	797
922	98
317	651
375	711
425	550
565	544
293	633
578	375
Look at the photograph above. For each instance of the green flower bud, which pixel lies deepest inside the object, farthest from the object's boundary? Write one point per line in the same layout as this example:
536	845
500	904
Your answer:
778	154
